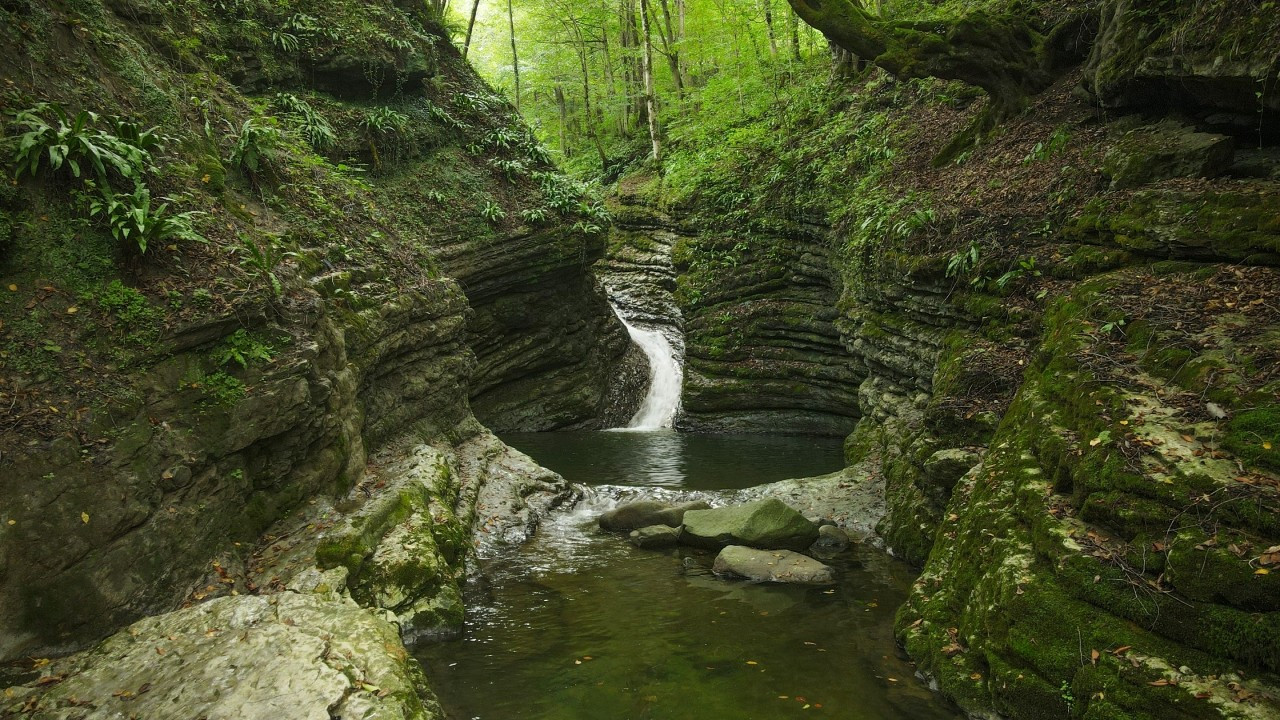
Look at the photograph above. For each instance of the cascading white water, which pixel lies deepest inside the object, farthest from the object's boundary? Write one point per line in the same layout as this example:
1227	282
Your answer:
665	378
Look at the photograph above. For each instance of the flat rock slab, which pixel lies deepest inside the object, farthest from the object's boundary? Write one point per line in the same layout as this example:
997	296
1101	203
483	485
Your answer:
646	513
768	524
781	566
655	536
289	655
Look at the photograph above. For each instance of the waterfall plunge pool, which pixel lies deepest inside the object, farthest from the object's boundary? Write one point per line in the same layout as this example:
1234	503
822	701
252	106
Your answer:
579	625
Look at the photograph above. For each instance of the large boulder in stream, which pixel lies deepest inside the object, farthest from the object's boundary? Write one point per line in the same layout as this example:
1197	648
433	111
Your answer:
645	513
767	524
781	566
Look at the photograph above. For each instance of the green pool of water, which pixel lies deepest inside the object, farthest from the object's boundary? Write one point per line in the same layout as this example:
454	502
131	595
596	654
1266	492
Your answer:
679	460
579	625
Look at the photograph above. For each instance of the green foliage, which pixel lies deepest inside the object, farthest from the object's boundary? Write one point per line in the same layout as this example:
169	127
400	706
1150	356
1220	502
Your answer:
242	349
384	121
132	218
252	144
124	148
964	262
492	211
261	260
222	390
312	126
1048	148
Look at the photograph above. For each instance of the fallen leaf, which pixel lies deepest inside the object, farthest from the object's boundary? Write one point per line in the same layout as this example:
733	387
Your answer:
1122	650
1262	571
84	518
1159	683
752	662
13	288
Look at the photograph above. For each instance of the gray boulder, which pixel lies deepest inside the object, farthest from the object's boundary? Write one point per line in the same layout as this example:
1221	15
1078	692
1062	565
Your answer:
290	655
767	524
655	536
831	540
645	513
782	566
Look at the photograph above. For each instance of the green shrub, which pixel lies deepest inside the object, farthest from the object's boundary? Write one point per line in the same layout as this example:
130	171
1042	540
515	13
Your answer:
124	149
242	349
131	218
311	125
251	146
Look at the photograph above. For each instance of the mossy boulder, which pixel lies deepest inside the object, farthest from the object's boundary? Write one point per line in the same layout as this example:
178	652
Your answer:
250	657
655	536
1167	150
778	566
766	524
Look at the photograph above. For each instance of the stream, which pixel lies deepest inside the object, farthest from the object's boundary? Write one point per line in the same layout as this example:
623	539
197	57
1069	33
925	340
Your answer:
578	624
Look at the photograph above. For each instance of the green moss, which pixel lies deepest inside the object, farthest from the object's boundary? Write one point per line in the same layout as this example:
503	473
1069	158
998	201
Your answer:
1254	436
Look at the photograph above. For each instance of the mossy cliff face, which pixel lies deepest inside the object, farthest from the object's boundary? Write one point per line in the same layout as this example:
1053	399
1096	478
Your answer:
1216	59
380	233
1066	342
761	350
1108	516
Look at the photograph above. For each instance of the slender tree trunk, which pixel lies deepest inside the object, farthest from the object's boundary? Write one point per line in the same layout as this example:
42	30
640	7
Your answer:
650	99
471	25
590	122
672	45
564	120
767	5
793	20
515	57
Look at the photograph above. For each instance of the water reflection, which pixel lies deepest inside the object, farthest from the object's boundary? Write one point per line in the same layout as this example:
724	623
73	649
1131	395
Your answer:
664	458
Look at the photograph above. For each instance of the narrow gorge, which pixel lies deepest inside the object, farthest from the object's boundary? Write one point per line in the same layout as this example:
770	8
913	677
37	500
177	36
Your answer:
914	360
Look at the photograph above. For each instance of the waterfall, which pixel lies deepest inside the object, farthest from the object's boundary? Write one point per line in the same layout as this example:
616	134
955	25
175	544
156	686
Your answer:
665	378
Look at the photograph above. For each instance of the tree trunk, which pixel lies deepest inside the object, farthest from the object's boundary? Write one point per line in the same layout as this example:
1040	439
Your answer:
793	21
515	57
471	25
650	99
767	5
1002	55
561	106
672	45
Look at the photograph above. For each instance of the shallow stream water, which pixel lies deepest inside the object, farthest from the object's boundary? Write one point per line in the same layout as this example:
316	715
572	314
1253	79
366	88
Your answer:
580	625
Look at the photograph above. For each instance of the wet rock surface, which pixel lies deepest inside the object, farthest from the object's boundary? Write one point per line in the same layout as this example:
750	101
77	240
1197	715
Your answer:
644	513
289	655
780	566
655	537
766	523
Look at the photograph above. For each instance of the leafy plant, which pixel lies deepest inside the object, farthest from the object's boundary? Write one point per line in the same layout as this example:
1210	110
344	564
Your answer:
75	141
262	260
511	169
492	211
286	41
1026	267
242	349
251	146
132	218
380	124
222	389
534	216
964	261
1048	148
311	125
